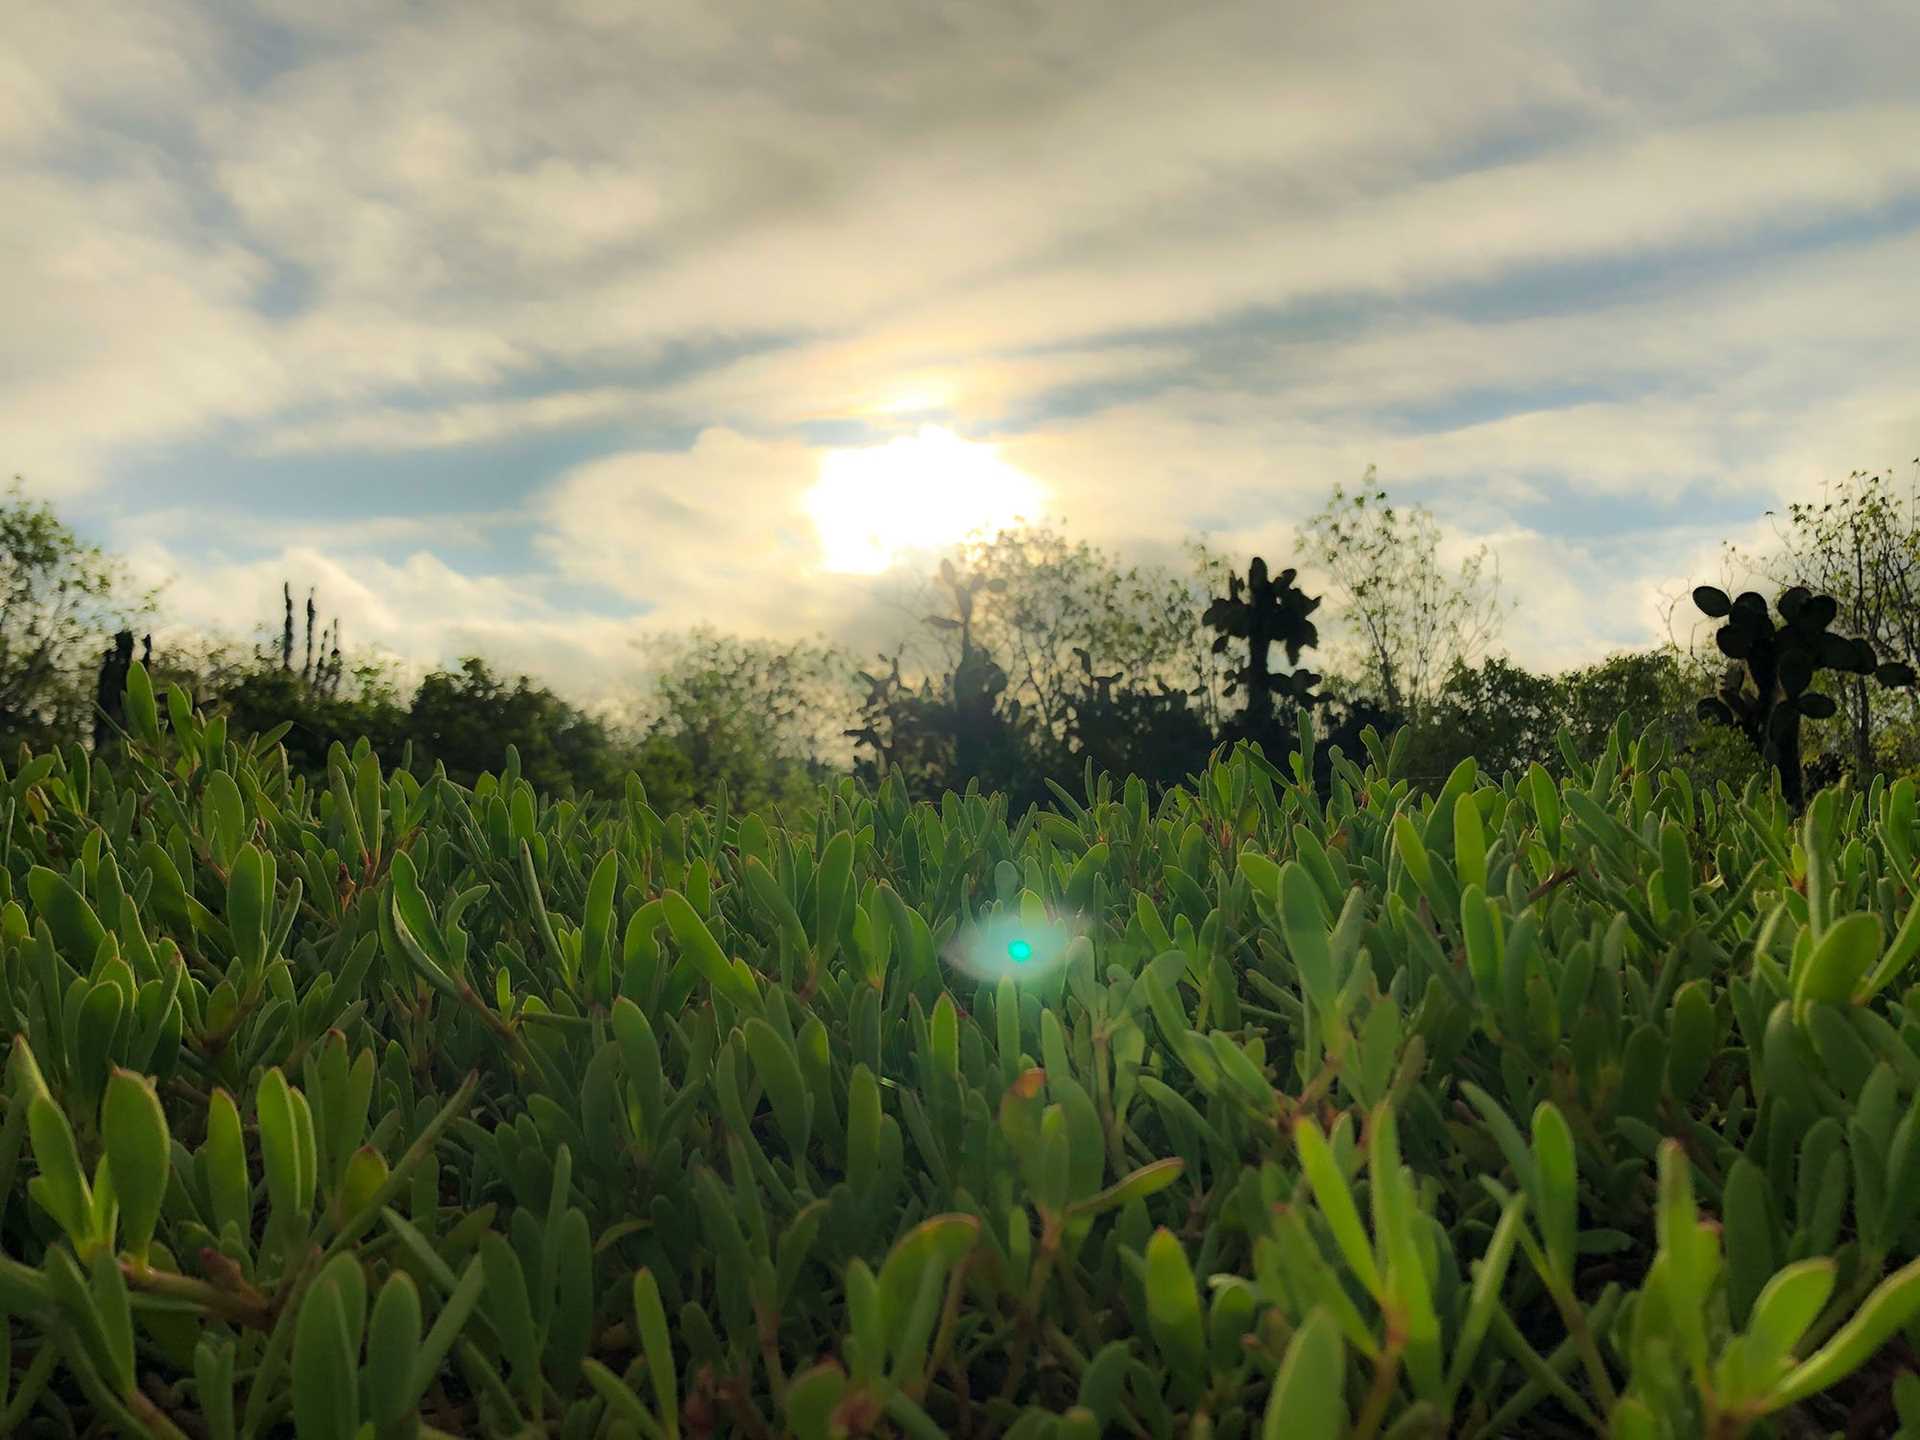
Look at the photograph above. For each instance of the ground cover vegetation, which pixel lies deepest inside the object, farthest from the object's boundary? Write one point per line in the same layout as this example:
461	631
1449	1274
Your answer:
383	1105
461	1062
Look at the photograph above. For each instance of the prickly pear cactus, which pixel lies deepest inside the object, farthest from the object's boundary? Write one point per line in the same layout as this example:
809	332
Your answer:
1273	612
1765	691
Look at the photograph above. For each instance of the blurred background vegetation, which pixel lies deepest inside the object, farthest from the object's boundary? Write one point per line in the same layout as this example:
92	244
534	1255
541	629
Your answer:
1027	655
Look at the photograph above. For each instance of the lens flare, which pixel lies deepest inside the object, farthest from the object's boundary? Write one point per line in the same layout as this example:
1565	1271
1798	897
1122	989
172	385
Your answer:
1000	943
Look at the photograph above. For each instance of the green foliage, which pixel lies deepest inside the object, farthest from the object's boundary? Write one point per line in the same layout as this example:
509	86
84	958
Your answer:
60	602
1507	719
756	716
263	696
1403	618
464	720
1501	714
401	1106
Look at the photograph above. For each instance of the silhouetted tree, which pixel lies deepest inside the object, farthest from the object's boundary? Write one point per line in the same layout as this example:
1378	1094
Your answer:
259	688
900	728
1274	612
306	671
1041	599
991	740
1155	734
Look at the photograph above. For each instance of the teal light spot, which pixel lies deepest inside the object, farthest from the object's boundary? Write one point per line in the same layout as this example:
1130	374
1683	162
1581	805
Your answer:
1020	950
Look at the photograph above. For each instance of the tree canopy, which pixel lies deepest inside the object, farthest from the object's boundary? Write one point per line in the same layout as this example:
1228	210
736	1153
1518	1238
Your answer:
61	601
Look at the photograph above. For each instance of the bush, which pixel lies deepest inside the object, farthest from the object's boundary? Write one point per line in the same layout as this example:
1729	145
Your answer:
390	1107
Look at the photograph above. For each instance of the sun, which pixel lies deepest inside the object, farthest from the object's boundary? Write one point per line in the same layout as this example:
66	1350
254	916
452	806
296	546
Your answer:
875	505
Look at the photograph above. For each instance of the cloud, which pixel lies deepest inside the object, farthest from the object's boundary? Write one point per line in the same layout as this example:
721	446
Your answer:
419	613
229	534
587	185
716	534
118	334
899	380
390	428
1187	267
69	63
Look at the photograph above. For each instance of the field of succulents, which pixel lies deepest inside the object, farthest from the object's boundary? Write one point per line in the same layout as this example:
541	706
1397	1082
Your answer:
393	1108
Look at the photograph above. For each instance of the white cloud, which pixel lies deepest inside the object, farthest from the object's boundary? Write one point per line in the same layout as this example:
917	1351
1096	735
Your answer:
66	58
117	332
715	534
952	210
419	612
900	379
587	186
389	428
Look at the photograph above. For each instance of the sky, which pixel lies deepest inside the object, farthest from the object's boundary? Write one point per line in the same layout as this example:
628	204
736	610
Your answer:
539	329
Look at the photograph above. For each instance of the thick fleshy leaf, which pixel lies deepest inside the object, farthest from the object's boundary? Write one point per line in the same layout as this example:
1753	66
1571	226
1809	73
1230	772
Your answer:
139	1147
1173	1308
1308	1401
1711	602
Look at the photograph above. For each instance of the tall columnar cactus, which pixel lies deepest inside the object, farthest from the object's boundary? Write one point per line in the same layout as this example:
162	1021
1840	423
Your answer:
323	671
312	614
1273	612
1765	690
112	686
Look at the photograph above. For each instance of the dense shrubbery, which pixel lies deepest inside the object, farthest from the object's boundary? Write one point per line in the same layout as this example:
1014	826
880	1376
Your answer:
1035	657
387	1106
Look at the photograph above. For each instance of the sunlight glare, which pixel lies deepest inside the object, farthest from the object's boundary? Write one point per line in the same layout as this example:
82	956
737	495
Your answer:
918	398
919	492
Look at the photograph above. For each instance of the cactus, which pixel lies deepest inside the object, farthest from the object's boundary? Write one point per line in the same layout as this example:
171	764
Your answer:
1102	684
1131	730
893	722
1764	691
969	731
978	680
307	673
1274	612
114	666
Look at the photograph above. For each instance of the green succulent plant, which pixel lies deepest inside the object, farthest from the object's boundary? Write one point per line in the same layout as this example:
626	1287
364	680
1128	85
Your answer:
385	1107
